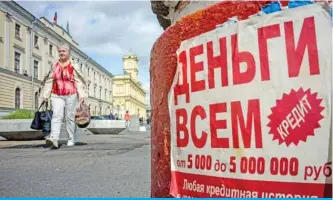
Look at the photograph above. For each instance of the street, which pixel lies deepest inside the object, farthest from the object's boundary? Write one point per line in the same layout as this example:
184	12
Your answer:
99	166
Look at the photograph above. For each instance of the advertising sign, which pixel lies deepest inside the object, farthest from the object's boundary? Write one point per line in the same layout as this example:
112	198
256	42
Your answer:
251	109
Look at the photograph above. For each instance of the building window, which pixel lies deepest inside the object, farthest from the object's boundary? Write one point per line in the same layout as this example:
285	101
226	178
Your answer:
88	72
100	78
36	42
36	101
88	89
81	66
17	98
105	94
95	91
100	93
50	49
17	62
17	31
35	69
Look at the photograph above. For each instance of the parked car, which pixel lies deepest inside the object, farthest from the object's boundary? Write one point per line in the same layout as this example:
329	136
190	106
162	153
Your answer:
108	117
98	118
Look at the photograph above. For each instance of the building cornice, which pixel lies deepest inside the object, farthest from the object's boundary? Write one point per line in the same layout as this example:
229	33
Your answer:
37	56
11	73
137	101
127	78
53	24
16	7
139	86
99	100
19	47
129	98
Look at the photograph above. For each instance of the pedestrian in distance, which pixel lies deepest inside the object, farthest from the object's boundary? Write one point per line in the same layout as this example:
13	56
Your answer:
111	116
127	118
65	86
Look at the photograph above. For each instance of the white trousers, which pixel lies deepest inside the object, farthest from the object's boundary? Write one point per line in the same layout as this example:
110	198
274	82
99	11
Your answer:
60	105
127	123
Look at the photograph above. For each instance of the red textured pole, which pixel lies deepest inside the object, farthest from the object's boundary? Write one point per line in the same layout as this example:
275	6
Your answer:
162	70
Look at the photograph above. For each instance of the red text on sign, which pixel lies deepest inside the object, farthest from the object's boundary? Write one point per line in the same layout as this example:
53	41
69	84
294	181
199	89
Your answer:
252	165
248	128
284	166
295	117
315	172
295	52
203	162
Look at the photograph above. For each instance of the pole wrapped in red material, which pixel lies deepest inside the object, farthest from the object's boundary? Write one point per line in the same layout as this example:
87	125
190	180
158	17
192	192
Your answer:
163	65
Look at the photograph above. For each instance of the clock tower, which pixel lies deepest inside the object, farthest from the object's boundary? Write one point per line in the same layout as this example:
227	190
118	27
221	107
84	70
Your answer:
130	62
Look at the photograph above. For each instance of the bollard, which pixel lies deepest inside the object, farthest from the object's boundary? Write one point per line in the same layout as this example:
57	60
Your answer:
163	65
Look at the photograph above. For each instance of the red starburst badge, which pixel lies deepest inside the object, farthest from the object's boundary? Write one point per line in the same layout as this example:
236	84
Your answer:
295	117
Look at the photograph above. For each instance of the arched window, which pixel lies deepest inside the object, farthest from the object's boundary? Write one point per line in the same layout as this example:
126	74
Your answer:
17	98
36	101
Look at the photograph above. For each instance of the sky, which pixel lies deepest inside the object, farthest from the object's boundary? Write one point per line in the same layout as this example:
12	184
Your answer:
106	30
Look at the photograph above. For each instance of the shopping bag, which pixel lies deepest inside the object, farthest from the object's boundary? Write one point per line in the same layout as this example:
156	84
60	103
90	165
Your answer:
82	116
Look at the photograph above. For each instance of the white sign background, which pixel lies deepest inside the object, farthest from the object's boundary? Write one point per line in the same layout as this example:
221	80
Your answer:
313	152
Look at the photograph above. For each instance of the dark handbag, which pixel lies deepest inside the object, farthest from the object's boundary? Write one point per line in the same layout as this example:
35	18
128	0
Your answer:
42	119
37	122
46	118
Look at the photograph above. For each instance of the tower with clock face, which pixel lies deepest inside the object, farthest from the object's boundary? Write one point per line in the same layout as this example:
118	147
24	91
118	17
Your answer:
130	62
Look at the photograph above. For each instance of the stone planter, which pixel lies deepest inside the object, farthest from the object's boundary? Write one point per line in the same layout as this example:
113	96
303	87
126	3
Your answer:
112	127
19	129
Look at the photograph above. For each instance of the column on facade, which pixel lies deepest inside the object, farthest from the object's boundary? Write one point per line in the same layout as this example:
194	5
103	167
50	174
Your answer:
128	92
85	70
28	49
31	60
7	40
45	55
122	111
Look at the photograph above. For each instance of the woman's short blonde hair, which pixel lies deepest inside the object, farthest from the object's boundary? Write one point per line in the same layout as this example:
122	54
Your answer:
65	45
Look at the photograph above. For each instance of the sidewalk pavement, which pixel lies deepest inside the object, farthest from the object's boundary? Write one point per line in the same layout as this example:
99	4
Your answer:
99	166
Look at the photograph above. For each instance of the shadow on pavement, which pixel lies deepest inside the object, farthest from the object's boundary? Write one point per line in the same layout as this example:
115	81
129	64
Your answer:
45	146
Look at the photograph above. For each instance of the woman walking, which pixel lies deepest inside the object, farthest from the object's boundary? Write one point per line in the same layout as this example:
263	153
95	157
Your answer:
65	86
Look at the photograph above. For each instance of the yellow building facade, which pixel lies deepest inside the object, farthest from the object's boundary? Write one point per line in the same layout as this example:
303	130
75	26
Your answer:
128	93
28	49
